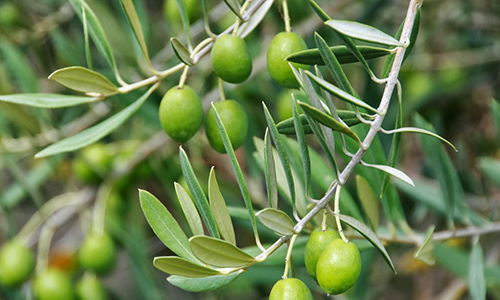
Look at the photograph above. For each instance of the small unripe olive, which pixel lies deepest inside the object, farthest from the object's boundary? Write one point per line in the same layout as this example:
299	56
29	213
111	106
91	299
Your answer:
290	289
53	284
90	288
93	163
235	121
97	253
181	113
282	45
315	246
16	263
231	60
338	267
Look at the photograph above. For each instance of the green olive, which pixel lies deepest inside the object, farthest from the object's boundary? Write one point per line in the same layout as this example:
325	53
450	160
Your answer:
90	288
290	289
53	284
181	113
16	263
284	44
284	103
93	164
231	59
171	11
338	267
315	246
235	121
97	253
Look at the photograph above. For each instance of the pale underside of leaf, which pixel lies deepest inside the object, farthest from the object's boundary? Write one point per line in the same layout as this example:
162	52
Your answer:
219	253
47	100
83	80
276	220
175	265
363	32
209	283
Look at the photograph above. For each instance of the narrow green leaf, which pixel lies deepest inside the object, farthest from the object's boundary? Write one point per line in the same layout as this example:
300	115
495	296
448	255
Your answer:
255	19
320	12
96	31
395	146
183	11
477	283
342	95
219	253
165	226
491	168
328	121
199	198
83	80
370	236
181	51
237	171
47	100
301	140
189	210
368	201
392	171
96	132
425	252
219	209
495	110
363	32
344	56
281	151
175	265
88	54
235	7
204	284
19	66
333	65
128	6
270	171
423	131
276	220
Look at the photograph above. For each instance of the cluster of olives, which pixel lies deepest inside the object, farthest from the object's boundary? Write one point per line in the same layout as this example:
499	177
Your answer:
97	255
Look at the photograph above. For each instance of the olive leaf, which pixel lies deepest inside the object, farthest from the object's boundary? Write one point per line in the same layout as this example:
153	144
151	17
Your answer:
203	284
276	220
255	19
425	252
477	282
181	51
392	171
219	209
320	12
175	265
302	142
370	236
219	253
344	56
363	32
183	11
189	210
19	66
235	7
47	100
270	171
490	167
368	201
165	226
83	80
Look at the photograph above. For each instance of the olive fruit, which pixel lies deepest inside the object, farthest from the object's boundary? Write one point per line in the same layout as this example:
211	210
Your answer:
97	253
284	103
290	289
90	288
171	11
282	45
181	113
317	242
231	60
235	121
53	284
16	263
338	267
93	164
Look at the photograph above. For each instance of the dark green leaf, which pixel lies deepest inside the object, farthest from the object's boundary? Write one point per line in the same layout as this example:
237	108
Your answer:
370	236
219	209
362	32
165	226
209	283
320	12
301	140
183	11
395	145
477	283
199	198
368	201
235	7
344	56
175	265
181	51
425	252
47	100
83	80
19	66
491	168
219	253
189	210
270	171
276	220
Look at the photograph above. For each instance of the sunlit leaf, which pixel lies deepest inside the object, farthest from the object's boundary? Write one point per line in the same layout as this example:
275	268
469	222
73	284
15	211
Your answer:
209	283
362	32
423	131
425	252
181	51
392	171
344	56
477	283
175	265
219	253
96	132
370	236
276	220
219	209
189	210
368	201
47	100
165	226
83	80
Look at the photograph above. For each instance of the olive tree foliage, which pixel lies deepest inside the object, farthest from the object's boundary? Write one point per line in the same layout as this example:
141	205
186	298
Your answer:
326	165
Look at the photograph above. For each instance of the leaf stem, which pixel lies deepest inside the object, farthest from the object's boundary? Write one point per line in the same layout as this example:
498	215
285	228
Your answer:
337	214
288	259
286	16
183	77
